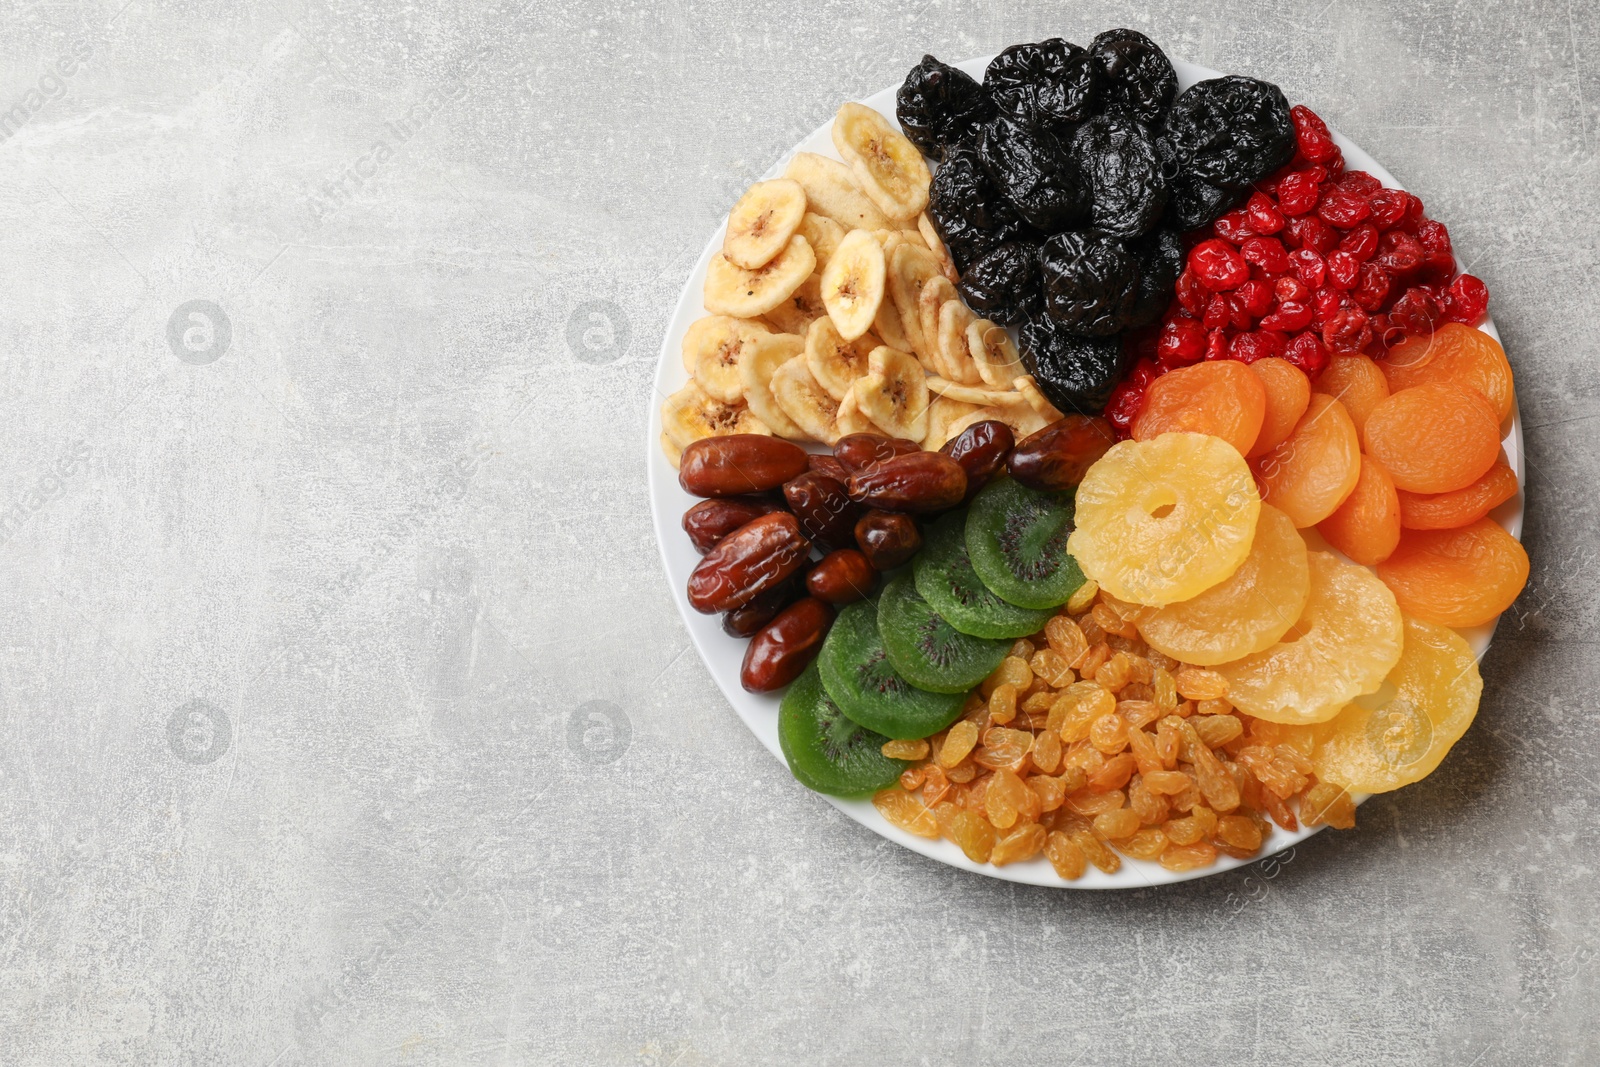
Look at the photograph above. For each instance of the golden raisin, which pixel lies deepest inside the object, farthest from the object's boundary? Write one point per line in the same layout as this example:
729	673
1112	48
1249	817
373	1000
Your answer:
1196	684
957	743
1046	752
1024	843
1240	831
1115	825
1189	857
1050	665
1080	601
905	749
1065	856
1327	803
1099	855
1003	798
907	812
1050	790
1003	703
1218	730
1147	844
974	835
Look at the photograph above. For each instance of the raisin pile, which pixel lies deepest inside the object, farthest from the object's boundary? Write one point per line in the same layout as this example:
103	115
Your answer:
1317	262
1066	178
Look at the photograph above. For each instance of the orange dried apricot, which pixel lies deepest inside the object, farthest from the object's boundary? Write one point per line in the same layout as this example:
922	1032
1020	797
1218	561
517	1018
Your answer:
1457	354
1309	475
1446	511
1358	383
1367	525
1220	397
1288	393
1433	438
1458	578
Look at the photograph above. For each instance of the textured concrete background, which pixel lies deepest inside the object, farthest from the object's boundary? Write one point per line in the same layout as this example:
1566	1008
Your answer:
347	718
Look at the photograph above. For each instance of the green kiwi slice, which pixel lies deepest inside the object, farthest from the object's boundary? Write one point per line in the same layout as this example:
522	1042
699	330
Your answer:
858	677
825	750
1017	539
926	650
946	580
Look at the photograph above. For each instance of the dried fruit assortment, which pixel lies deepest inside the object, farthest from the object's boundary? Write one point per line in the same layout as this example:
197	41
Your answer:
1078	638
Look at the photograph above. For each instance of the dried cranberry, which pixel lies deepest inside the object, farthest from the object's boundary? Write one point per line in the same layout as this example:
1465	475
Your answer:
1257	344
1414	213
1342	209
1325	305
1372	289
1233	227
1218	265
1311	134
1347	331
1218	312
1217	344
1433	236
1334	164
1263	214
1343	270
1416	312
1468	300
1192	296
1299	192
1127	398
1399	253
1311	232
1290	290
1359	183
1289	316
1266	253
1435	268
1309	267
1254	297
1388	207
1182	341
1361	242
1386	333
1306	352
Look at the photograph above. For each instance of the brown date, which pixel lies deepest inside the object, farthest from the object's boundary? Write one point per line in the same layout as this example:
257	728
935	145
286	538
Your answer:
745	621
858	451
785	646
824	509
921	482
842	577
711	520
817	463
1058	456
887	539
739	463
754	558
981	449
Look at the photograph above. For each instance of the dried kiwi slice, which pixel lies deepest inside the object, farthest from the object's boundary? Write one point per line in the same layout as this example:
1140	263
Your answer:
929	652
826	751
1017	538
946	580
859	678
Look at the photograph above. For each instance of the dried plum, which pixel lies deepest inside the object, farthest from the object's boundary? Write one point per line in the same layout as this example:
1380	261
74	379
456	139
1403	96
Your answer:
1117	157
1035	172
970	216
1192	204
938	104
1134	73
1231	131
1074	373
1090	281
1160	257
1003	285
1051	85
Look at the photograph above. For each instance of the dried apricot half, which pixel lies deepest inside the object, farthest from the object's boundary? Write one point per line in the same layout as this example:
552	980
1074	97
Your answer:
1357	382
1433	438
1220	397
1459	578
1344	643
1446	511
1247	612
1288	393
1367	525
1310	474
1399	734
1457	354
1164	520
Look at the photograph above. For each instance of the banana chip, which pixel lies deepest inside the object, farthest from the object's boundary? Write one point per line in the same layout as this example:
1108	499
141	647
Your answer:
909	270
936	245
806	402
936	292
886	165
972	394
852	284
673	453
755	377
761	223
712	349
954	354
850	418
689	415
894	393
942	414
804	306
834	362
1023	420
831	190
822	234
995	353
746	294
1037	400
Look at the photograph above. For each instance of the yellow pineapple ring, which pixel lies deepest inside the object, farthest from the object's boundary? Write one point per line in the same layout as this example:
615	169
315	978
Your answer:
1247	612
1399	734
1164	520
1349	638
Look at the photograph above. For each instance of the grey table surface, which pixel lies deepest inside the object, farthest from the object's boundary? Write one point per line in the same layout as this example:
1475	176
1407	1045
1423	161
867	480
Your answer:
347	716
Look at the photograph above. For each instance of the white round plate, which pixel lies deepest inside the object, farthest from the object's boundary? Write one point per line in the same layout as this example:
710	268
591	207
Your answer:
723	654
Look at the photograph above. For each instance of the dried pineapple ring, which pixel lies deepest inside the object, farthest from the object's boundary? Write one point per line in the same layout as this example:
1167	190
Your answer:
1245	614
1350	638
1164	520
1399	734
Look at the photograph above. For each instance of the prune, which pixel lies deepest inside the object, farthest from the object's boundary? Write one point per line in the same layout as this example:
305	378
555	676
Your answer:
1034	171
1160	256
1049	85
1192	203
937	105
1230	131
1090	281
1117	158
1003	284
1075	373
1135	73
969	214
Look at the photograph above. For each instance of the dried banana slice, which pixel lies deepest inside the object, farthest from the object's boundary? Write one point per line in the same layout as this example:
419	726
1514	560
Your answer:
910	268
1037	400
836	363
944	413
712	349
822	234
806	402
935	243
831	190
887	166
673	453
894	393
689	415
755	376
887	324
936	292
995	353
745	294
852	284
951	341
1017	414
972	394
761	223
850	418
803	307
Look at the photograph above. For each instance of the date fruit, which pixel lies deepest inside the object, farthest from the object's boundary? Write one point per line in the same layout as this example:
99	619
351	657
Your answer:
754	558
711	520
739	463
887	539
1058	456
981	449
745	621
785	646
858	451
824	509
842	577
921	482
818	463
